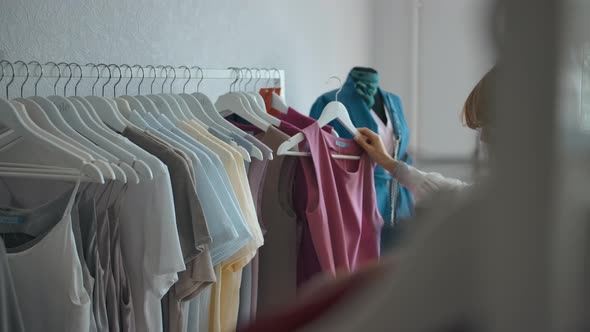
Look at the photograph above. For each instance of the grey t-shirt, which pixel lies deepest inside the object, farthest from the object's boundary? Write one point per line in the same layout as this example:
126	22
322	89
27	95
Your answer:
190	221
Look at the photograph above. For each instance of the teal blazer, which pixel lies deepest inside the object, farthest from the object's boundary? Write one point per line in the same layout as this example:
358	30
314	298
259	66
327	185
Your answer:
361	117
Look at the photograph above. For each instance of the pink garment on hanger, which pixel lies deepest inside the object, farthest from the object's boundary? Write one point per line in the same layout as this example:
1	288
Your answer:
342	214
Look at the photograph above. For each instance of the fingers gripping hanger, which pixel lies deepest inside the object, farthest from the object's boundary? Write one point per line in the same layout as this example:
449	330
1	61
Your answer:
335	110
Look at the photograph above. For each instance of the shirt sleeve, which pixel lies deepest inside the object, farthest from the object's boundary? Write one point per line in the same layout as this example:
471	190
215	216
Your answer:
423	184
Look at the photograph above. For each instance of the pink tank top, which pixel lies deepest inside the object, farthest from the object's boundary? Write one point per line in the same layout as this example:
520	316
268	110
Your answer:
342	214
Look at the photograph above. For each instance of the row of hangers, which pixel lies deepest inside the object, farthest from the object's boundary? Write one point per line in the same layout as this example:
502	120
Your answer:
77	134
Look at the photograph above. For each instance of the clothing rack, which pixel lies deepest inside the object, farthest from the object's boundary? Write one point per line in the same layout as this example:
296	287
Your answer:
251	77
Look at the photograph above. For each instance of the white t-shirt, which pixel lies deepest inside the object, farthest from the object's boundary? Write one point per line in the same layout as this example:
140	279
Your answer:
385	131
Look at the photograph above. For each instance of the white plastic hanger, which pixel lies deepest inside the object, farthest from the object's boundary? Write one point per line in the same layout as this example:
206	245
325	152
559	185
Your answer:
24	127
231	102
279	104
73	114
335	110
161	105
111	117
256	108
103	108
205	110
39	117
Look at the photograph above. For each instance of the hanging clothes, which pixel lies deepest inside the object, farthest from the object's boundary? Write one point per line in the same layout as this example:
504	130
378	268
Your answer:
308	264
342	213
190	221
277	275
66	304
400	198
10	316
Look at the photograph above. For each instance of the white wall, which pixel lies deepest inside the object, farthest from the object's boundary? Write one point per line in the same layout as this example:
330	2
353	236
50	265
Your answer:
311	40
392	40
455	52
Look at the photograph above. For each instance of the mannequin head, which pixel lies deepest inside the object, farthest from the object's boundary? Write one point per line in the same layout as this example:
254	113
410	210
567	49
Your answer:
476	108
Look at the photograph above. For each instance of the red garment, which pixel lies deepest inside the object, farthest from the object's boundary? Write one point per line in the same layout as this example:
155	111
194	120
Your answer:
266	94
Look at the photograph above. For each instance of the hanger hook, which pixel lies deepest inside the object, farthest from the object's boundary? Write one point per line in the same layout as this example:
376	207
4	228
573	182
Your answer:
239	70
166	78
11	79
26	77
1	67
339	86
58	75
199	69
110	75
97	75
258	77
154	80
79	78
251	78
69	78
279	75
173	77
189	77
118	81
40	76
130	76
268	78
142	78
236	71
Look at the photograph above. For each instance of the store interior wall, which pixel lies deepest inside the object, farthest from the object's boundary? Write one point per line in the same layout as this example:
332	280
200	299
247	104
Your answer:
310	40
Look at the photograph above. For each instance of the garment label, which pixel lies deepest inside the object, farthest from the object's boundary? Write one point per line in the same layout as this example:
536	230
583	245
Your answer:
11	220
342	144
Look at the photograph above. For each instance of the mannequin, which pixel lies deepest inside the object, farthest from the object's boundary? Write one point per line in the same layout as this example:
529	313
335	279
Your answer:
370	107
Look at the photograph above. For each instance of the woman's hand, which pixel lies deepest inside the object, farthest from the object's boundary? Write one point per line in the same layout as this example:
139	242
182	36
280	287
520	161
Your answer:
373	145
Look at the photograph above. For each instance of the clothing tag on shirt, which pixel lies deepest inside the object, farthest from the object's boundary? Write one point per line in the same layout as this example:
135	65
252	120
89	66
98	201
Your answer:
342	144
12	220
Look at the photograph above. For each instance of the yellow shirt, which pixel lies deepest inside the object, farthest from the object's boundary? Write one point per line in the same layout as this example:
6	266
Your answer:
225	297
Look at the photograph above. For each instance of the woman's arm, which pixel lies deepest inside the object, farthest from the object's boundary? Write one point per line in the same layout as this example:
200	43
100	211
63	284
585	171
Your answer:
421	184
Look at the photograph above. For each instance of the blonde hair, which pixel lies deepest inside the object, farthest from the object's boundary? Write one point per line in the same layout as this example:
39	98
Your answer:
475	110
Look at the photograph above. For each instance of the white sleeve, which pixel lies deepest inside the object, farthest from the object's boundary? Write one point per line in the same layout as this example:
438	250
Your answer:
422	184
